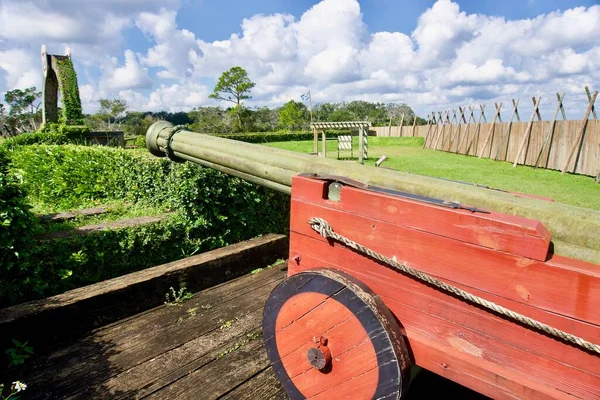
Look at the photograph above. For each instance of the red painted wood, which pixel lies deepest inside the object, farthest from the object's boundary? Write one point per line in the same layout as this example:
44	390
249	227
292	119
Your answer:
300	322
516	235
479	253
482	338
486	378
524	280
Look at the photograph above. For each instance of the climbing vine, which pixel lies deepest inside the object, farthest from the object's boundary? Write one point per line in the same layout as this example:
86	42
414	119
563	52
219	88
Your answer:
72	113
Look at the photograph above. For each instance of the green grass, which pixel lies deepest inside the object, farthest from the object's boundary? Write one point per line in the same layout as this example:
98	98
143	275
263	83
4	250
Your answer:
407	155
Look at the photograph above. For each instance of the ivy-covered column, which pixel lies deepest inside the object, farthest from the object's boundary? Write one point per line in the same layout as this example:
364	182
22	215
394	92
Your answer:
59	74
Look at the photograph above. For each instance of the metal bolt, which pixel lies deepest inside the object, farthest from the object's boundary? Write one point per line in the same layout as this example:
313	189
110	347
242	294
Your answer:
319	357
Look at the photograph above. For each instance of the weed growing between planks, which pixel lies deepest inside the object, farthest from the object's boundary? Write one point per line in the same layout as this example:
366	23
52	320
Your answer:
177	297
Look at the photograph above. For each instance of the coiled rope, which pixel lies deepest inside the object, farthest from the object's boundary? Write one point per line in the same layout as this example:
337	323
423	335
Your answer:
323	228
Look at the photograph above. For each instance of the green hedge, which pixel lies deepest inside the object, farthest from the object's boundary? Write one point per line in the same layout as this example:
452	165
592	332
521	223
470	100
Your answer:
210	210
252	137
16	222
49	134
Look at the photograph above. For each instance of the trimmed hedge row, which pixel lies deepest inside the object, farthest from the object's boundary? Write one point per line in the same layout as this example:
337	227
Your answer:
50	134
210	210
280	137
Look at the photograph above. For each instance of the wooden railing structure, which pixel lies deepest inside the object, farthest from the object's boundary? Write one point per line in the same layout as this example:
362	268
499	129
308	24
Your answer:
565	145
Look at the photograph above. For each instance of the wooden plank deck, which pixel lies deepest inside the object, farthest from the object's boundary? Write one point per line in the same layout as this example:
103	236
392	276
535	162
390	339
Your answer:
208	347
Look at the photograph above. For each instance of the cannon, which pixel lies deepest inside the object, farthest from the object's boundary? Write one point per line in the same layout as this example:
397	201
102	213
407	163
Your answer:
496	291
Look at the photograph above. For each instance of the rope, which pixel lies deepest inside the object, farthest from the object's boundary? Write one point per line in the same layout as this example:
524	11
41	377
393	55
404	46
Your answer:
323	228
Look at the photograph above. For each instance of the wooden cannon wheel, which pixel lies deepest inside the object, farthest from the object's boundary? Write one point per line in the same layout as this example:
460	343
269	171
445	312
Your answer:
329	336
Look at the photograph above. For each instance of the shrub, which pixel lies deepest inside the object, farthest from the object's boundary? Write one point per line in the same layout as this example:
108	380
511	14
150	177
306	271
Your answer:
16	222
49	134
252	137
210	210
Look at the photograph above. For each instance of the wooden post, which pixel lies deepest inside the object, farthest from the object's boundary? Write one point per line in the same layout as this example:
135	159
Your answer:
324	144
315	141
360	145
461	110
400	126
550	133
580	135
390	127
466	135
537	112
506	136
451	130
589	96
430	121
414	124
477	128
536	104
435	131
441	135
491	130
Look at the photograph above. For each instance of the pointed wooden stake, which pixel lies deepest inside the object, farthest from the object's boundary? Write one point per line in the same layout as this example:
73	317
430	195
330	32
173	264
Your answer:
536	104
506	136
589	96
550	133
466	135
580	135
491	131
477	128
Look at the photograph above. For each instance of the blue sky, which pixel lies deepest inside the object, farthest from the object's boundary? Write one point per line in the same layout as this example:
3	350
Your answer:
432	55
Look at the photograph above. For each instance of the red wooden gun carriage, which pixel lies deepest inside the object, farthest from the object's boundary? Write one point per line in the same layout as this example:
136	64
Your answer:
384	276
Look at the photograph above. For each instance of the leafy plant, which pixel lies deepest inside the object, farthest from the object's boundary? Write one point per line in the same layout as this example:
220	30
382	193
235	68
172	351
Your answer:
259	137
15	388
19	353
177	297
72	113
208	210
238	345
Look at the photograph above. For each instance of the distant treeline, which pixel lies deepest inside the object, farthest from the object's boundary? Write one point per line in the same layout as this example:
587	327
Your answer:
293	116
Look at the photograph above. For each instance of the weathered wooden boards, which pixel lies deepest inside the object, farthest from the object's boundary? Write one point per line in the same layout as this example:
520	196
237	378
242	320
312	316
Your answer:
328	336
203	348
83	309
471	346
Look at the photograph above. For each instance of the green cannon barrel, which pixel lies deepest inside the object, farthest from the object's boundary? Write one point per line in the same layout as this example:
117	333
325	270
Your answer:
575	230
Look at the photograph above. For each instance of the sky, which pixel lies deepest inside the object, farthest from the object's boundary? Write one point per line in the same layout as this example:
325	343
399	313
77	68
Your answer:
431	55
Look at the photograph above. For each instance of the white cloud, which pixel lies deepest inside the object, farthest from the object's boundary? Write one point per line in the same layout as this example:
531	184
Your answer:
450	58
173	47
176	97
21	69
131	75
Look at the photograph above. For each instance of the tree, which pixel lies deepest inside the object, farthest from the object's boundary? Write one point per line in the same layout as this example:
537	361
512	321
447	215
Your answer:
293	115
210	120
396	111
137	123
24	114
112	110
234	86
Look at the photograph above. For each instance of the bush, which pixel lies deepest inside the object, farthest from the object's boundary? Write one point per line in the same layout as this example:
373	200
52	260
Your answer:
49	134
16	223
210	210
253	137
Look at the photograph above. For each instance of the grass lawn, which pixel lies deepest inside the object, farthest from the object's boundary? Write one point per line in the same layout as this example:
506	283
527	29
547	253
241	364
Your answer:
406	154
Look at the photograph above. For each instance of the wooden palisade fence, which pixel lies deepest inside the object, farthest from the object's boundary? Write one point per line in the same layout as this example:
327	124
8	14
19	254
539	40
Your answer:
560	144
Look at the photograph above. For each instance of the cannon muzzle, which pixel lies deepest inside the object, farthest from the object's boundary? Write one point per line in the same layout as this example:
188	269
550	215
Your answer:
575	230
